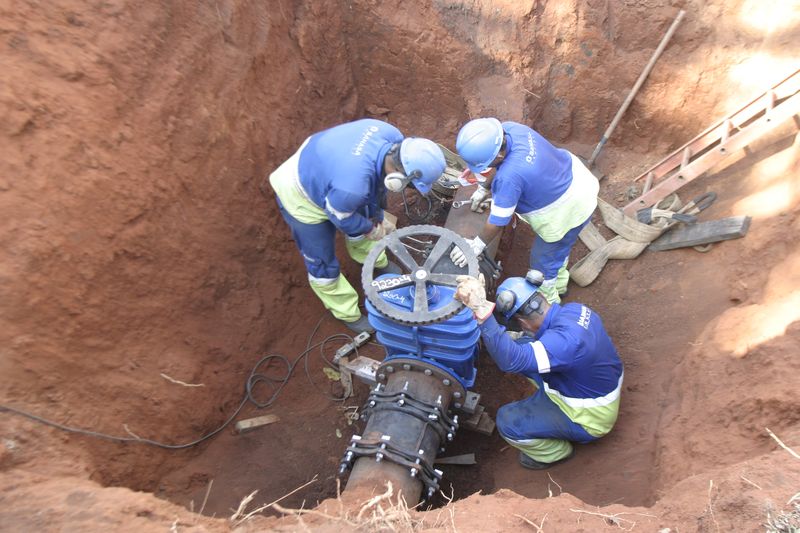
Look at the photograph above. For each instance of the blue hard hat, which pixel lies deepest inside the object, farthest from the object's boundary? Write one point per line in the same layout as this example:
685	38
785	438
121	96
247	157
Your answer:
479	142
423	161
512	294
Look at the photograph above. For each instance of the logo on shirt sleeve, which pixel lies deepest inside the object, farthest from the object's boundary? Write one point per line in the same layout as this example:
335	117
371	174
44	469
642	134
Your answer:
358	149
585	318
531	149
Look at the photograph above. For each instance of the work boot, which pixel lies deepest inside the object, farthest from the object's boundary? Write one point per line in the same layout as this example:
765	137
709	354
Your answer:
533	464
391	268
360	326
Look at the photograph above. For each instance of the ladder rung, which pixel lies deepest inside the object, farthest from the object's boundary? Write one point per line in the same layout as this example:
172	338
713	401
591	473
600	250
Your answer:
727	126
648	183
711	136
687	155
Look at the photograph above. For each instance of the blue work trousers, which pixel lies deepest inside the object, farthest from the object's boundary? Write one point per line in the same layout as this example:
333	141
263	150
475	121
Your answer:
537	417
317	244
550	257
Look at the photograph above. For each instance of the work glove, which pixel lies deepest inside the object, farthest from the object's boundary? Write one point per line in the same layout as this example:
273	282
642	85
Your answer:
388	226
472	293
457	256
478	198
378	232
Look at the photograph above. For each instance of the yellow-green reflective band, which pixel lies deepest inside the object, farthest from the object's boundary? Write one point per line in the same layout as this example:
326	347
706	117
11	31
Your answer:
339	297
577	204
596	415
543	450
359	248
285	181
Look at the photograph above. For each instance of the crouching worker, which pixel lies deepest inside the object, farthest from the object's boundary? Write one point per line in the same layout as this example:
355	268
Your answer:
567	354
338	180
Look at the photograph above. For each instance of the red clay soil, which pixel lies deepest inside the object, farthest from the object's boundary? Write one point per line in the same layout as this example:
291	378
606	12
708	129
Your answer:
134	245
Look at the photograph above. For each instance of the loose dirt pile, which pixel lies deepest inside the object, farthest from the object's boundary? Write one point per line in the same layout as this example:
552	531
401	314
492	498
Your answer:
134	245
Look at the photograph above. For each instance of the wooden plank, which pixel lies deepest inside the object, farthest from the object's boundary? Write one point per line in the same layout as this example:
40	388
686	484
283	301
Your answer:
257	422
702	233
785	111
466	459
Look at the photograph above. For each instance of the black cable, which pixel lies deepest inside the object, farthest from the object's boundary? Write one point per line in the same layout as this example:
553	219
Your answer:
322	354
253	379
415	218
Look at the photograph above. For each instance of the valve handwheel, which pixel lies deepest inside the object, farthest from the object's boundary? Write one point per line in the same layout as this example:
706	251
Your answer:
436	269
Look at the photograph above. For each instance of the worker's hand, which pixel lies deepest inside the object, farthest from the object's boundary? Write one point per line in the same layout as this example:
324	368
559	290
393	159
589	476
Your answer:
388	226
472	293
457	256
478	198
378	232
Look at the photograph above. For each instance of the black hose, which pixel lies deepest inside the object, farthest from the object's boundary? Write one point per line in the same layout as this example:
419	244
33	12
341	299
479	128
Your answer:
253	379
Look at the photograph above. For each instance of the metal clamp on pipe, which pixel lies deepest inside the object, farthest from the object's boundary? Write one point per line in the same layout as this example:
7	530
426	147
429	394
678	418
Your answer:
419	466
433	415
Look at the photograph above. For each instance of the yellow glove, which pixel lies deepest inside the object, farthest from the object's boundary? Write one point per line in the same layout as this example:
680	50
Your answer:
378	232
472	293
388	226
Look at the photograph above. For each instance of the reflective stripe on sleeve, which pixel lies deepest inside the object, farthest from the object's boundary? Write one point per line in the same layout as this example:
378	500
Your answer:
542	360
322	281
341	215
502	212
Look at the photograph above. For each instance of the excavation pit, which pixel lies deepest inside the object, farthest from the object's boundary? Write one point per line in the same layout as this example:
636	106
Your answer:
143	275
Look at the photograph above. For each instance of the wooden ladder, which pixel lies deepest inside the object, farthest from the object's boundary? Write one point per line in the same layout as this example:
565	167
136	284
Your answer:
734	132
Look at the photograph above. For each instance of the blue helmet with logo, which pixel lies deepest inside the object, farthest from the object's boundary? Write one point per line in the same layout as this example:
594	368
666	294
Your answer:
423	162
479	142
513	294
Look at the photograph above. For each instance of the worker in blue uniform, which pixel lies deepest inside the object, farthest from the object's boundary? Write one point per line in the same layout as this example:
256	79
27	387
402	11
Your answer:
338	180
565	352
547	187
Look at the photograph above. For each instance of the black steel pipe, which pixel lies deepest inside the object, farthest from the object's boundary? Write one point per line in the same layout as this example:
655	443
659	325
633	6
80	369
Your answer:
407	432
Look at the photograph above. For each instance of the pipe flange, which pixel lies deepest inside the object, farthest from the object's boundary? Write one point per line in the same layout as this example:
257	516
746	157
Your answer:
453	386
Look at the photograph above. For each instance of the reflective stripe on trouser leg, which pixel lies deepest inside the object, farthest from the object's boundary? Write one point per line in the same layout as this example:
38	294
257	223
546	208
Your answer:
339	297
317	245
537	426
562	279
543	450
359	247
550	258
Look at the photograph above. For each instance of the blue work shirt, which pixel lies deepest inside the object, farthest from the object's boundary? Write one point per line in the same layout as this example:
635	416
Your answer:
341	171
575	358
533	174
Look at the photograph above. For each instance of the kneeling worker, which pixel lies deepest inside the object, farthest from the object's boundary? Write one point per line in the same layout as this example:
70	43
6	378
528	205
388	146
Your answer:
565	351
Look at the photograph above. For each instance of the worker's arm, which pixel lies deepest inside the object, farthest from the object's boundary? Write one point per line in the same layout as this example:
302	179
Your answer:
489	233
555	351
507	354
343	208
506	192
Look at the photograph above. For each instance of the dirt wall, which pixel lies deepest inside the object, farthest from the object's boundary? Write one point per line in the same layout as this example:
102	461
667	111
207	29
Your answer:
135	135
134	240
